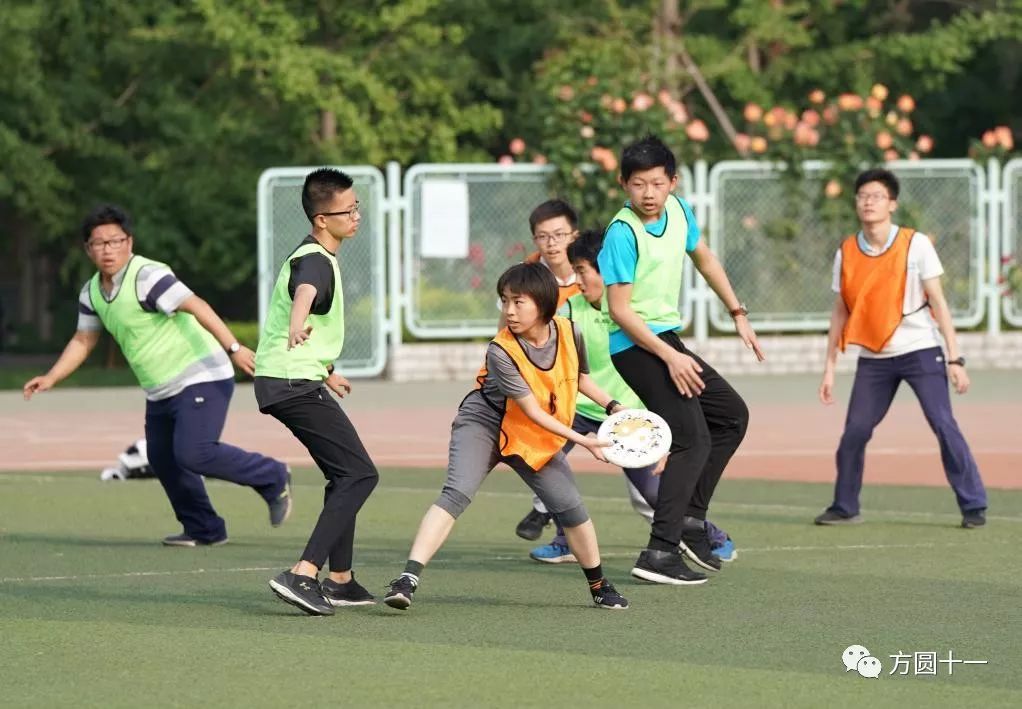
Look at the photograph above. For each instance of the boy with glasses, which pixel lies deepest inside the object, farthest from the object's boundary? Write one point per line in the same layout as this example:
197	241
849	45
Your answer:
181	352
300	341
890	302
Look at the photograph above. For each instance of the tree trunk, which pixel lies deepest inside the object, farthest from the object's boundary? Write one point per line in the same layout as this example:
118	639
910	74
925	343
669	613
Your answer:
27	281
44	296
327	126
667	27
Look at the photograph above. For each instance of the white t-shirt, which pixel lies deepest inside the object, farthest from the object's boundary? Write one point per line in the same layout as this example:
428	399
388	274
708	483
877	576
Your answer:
918	330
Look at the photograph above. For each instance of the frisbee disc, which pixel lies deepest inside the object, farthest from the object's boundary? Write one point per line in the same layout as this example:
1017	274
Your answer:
638	438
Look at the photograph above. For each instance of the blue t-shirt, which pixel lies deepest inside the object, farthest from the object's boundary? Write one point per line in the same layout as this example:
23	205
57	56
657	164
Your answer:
620	255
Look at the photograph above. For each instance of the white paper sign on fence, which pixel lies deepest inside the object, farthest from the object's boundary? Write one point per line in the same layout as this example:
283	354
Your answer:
444	205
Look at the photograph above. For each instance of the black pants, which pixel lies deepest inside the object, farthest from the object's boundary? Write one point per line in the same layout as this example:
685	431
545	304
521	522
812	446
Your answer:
706	431
324	429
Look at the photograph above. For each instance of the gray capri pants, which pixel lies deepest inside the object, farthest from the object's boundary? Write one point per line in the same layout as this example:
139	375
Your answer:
474	453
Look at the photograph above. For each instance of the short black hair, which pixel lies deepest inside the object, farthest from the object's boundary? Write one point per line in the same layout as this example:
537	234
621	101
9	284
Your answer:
645	154
884	177
106	214
551	209
320	187
534	280
586	248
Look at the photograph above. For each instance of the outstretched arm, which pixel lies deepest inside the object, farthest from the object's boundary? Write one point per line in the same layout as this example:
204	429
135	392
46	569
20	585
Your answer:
709	266
540	417
590	388
244	358
75	353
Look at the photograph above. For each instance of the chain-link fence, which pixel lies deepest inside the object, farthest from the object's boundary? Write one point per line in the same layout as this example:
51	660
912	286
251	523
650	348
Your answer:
774	232
283	225
453	296
1011	246
776	235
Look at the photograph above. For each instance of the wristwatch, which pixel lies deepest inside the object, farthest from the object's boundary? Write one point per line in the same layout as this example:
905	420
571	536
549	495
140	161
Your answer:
960	362
740	310
611	405
233	347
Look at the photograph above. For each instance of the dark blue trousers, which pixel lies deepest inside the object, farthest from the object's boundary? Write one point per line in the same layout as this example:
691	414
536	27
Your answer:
183	438
876	381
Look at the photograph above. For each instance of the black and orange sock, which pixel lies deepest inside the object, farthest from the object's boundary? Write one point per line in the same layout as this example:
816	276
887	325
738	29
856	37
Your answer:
595	577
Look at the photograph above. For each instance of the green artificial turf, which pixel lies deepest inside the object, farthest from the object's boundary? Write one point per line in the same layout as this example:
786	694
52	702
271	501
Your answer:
94	613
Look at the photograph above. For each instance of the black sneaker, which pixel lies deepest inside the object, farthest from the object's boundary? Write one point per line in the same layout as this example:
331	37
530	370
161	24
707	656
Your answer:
833	518
531	526
346	594
183	540
695	545
974	518
280	506
665	567
399	594
606	596
302	592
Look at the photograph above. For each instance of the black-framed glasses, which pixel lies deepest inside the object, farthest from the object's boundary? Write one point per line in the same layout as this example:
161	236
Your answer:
346	213
101	245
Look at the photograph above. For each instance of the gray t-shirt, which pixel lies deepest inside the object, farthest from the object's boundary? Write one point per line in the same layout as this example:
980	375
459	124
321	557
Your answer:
504	380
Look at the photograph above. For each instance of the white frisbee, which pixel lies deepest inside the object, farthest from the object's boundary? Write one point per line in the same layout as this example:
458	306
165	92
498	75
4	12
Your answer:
638	438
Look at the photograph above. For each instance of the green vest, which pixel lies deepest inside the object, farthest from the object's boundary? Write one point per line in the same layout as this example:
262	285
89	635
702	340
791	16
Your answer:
308	361
657	287
593	323
158	347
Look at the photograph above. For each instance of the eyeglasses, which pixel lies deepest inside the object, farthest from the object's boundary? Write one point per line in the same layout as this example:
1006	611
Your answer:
555	238
865	197
346	213
112	244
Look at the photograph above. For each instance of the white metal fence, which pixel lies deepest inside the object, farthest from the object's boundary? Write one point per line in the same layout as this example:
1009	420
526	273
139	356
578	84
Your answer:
283	225
1009	249
778	249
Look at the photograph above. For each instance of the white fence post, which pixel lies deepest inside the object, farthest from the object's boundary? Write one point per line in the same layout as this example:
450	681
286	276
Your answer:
395	207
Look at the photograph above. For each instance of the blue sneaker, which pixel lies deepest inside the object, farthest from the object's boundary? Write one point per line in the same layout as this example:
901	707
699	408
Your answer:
726	551
553	553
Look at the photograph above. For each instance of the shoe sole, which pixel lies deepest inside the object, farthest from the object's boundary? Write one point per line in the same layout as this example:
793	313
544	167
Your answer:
528	535
610	608
399	601
734	555
564	559
970	525
193	544
343	604
837	522
691	556
654	577
287	513
284	593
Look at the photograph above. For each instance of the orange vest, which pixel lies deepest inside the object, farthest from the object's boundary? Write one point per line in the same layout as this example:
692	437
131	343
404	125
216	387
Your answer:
873	289
555	390
563	292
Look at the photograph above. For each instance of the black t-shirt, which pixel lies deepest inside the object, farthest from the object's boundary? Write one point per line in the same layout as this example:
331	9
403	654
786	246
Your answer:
314	269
